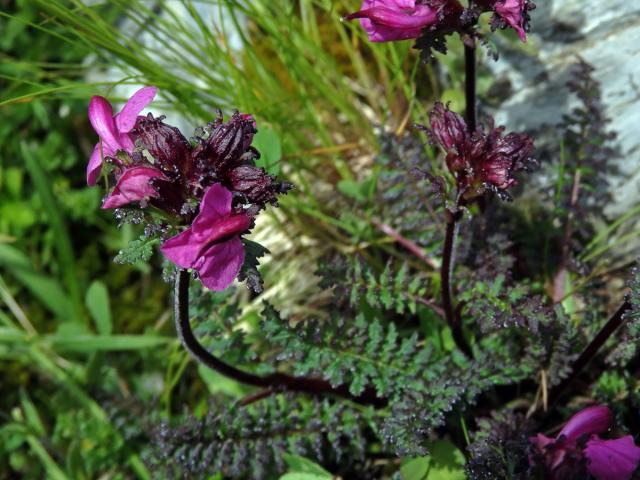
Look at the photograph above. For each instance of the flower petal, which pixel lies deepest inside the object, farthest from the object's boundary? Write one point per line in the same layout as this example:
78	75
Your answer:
182	249
101	118
612	459
221	264
133	186
511	11
591	420
448	128
390	20
127	117
216	204
397	18
95	162
546	448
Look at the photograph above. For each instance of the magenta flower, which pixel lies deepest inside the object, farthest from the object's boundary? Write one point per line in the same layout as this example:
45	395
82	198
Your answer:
212	244
133	185
114	131
513	13
578	446
389	20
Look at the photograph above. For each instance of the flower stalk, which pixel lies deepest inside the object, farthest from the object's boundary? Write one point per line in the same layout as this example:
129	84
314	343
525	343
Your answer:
274	382
448	254
470	87
448	263
592	349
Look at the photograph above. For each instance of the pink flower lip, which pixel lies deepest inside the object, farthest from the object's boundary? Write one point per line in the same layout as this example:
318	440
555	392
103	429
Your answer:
114	130
133	185
512	13
390	20
226	229
212	244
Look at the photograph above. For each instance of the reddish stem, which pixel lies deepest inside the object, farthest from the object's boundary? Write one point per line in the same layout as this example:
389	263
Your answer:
592	349
405	242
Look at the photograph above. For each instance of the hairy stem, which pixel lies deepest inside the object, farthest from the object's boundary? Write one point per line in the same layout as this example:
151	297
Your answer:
273	382
470	87
592	349
448	255
448	261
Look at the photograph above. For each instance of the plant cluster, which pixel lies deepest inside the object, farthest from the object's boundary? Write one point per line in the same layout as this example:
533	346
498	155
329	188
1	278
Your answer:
447	342
504	336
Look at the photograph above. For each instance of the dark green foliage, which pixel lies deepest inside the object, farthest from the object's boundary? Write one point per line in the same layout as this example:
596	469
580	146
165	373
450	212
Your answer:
628	342
500	447
250	442
358	352
408	193
249	272
587	140
395	289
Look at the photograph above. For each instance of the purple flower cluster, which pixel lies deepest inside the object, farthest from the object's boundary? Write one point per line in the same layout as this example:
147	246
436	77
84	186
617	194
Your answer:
154	164
579	446
391	20
479	160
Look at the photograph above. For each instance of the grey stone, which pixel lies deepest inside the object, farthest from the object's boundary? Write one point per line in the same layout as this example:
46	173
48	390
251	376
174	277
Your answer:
607	35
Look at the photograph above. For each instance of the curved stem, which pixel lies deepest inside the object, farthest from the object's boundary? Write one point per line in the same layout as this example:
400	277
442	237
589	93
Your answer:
592	349
273	382
195	348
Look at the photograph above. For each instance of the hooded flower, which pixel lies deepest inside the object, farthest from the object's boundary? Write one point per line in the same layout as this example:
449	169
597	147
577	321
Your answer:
212	244
114	131
134	185
578	447
514	14
227	145
389	20
479	160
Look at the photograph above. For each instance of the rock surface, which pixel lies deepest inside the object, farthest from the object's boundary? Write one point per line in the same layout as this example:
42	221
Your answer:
607	35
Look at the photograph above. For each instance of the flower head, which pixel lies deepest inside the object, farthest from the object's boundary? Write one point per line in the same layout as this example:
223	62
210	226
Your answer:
389	20
479	160
114	131
578	447
514	14
210	184
164	168
211	245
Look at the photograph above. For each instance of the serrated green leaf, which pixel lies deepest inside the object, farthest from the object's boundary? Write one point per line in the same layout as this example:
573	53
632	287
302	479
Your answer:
139	250
447	462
